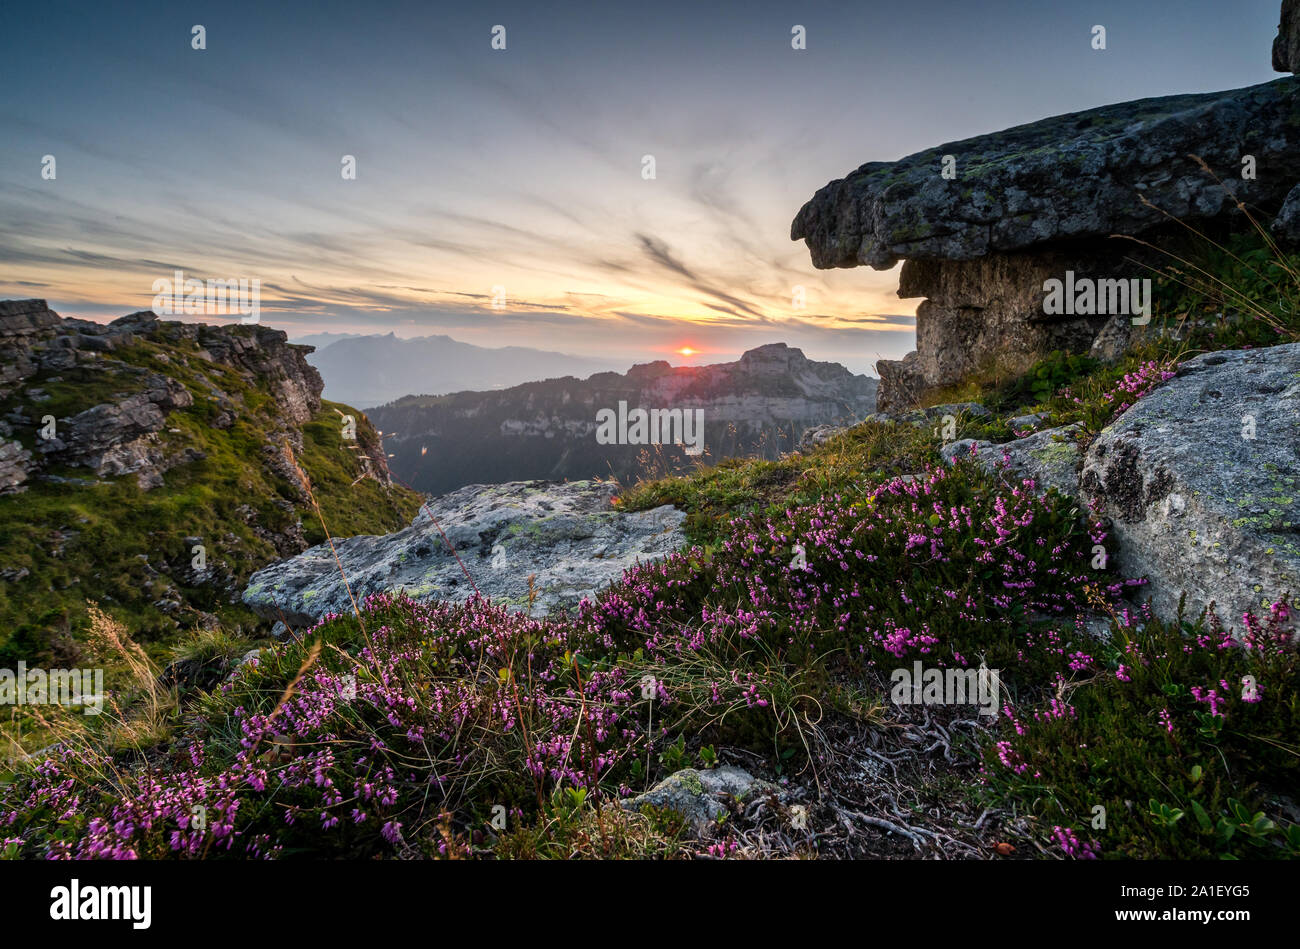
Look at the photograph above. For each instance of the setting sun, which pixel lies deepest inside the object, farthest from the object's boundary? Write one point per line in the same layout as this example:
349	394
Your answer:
686	351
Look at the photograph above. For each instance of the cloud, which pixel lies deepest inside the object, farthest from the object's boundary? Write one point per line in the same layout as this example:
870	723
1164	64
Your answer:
658	251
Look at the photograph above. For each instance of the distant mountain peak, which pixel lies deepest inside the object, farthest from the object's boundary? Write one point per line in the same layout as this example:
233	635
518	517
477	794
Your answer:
372	370
761	404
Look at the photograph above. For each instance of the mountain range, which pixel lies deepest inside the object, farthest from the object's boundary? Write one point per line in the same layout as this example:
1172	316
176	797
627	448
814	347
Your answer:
369	370
573	429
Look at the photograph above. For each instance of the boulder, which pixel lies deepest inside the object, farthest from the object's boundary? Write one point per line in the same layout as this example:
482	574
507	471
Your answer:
1039	201
901	382
1023	424
700	795
14	463
1286	226
1201	481
817	436
932	416
567	538
1049	458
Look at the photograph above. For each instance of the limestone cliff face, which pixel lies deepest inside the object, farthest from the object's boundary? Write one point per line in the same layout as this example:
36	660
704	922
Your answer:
1028	204
143	467
123	434
759	405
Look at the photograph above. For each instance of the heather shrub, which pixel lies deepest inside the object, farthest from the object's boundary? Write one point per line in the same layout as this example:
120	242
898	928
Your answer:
945	566
1181	733
361	737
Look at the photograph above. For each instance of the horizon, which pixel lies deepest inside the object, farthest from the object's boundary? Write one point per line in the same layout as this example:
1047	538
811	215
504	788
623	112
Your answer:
520	170
721	358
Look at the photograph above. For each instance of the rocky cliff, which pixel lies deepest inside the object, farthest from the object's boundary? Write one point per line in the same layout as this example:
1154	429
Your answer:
759	405
125	434
150	465
982	224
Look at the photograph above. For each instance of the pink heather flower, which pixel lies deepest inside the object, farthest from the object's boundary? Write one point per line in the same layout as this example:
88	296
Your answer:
1069	842
392	832
1211	698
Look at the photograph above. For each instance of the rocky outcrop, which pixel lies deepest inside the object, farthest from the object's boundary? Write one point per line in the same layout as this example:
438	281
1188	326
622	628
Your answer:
1049	458
1201	481
1286	48
14	462
757	406
20	318
198	418
987	314
1066	178
126	434
555	542
1032	203
119	438
266	354
21	323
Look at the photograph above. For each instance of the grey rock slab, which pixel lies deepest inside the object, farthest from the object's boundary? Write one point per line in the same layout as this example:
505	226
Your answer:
1064	178
1201	479
567	536
1050	458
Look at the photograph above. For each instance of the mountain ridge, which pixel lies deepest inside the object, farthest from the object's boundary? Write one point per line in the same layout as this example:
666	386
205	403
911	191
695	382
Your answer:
374	369
761	404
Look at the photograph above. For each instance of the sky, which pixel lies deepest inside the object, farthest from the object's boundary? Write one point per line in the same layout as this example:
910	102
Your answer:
521	172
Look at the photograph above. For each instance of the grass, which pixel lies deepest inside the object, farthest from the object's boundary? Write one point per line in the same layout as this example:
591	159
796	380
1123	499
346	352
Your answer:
713	495
131	550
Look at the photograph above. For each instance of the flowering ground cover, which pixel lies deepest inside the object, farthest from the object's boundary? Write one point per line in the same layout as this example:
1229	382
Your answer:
436	730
